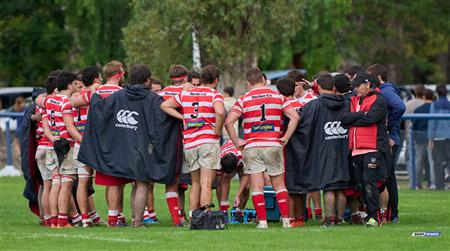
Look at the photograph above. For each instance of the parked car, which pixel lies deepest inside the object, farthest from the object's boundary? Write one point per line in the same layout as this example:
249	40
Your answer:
8	96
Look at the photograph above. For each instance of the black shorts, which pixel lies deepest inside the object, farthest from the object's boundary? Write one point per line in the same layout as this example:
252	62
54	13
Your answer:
367	167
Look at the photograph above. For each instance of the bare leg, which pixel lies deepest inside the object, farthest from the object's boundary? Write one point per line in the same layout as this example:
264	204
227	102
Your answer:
151	197
114	197
206	178
82	194
341	201
132	198
45	203
140	201
194	195
53	200
64	197
329	198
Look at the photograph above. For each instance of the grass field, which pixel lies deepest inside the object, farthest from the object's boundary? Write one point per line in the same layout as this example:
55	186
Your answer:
420	211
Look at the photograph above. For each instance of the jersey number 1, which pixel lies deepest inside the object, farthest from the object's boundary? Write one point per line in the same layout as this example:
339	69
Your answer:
263	112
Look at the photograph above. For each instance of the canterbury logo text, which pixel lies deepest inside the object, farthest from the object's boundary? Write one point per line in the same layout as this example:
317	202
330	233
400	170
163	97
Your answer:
127	120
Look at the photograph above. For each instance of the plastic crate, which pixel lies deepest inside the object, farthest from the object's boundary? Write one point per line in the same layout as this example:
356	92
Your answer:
273	213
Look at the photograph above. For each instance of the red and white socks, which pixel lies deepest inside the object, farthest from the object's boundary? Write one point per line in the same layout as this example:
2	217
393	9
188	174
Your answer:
282	197
259	203
172	204
86	220
224	206
113	216
95	217
76	219
47	221
62	220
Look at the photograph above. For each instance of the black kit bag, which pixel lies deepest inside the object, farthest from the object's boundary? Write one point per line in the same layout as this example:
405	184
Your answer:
204	219
62	148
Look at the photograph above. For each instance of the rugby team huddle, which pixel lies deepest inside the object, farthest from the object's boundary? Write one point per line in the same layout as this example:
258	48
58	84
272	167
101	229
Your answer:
258	127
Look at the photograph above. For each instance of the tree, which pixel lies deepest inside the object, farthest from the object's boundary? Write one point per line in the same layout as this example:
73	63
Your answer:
406	35
231	33
96	27
32	41
318	44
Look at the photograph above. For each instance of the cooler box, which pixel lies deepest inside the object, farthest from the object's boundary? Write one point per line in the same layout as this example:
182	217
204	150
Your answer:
273	214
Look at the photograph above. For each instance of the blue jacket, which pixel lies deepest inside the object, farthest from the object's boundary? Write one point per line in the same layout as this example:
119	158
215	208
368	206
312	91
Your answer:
439	129
396	108
420	126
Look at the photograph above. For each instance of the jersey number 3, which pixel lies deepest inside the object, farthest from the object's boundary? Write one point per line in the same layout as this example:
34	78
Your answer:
195	105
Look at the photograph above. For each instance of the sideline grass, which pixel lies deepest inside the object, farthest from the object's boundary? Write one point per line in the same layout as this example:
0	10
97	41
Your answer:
420	211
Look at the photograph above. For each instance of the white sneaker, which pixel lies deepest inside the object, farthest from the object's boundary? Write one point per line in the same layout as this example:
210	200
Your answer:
262	225
87	223
286	223
372	223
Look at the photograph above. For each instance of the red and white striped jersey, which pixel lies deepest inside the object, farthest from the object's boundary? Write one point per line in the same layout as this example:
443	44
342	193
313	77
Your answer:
43	141
228	147
171	91
80	115
306	98
57	107
104	91
295	103
197	107
262	109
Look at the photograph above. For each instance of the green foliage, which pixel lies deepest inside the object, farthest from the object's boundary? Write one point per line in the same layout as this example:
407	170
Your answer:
32	41
411	37
406	35
96	30
318	43
231	33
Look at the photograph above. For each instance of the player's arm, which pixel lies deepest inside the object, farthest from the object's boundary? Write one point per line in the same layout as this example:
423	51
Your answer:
292	125
68	120
219	109
170	107
39	101
79	99
245	180
232	117
47	131
36	117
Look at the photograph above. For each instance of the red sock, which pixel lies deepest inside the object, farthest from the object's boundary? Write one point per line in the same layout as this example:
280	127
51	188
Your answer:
283	203
47	221
300	218
54	220
318	211
309	213
224	206
112	217
85	216
259	204
62	220
172	203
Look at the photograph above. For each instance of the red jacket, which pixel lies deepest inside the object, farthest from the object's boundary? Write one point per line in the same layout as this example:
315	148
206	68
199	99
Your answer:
368	123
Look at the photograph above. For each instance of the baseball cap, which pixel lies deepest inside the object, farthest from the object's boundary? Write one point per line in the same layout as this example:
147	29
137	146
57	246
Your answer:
364	77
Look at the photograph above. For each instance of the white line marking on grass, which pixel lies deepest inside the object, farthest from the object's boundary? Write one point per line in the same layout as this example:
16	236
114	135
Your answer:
85	237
